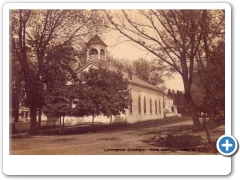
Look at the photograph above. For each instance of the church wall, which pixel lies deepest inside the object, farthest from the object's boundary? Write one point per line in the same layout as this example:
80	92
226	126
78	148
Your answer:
135	116
137	91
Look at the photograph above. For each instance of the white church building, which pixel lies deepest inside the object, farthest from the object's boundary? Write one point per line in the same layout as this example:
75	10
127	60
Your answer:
147	99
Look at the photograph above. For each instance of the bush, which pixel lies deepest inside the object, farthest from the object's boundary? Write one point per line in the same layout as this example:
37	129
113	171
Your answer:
183	141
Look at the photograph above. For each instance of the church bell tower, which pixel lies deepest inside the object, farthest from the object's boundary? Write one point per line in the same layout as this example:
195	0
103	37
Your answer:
96	49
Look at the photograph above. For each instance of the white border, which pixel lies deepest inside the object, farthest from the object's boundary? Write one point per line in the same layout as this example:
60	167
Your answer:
113	165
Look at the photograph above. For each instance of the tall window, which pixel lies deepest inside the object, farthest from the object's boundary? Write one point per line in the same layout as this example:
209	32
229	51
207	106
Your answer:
144	104
156	106
159	107
150	106
93	54
102	54
130	106
139	104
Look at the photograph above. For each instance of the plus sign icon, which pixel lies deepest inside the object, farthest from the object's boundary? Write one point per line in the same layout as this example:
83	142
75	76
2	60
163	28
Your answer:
227	145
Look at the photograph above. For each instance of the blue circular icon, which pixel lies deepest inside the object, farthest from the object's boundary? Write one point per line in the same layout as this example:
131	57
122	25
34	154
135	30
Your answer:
227	145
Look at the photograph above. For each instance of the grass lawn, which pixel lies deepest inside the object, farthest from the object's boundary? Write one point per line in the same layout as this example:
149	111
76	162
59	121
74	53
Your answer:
120	139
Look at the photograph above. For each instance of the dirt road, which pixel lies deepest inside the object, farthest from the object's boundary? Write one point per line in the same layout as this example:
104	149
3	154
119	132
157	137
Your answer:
117	142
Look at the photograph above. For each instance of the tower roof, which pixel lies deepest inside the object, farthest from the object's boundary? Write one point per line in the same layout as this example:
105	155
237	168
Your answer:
95	40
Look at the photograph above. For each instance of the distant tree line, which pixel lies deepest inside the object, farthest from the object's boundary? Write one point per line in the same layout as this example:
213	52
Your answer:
179	100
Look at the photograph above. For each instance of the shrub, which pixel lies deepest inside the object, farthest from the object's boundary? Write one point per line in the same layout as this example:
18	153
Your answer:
183	141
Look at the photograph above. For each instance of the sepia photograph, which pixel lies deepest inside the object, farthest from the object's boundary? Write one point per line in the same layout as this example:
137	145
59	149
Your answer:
116	81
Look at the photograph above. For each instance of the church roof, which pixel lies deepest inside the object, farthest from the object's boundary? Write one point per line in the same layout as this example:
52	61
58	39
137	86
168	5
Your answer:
95	40
137	81
134	80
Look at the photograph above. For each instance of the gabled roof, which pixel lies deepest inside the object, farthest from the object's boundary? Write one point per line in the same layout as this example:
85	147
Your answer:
93	63
95	40
137	81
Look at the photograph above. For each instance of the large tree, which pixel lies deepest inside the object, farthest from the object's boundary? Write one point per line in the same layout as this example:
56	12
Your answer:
58	103
211	72
34	32
57	71
174	36
116	93
211	62
103	92
151	71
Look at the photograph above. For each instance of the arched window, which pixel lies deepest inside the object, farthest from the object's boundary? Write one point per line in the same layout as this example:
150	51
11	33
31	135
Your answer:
93	52
139	104
156	106
130	106
159	105
150	106
102	52
144	106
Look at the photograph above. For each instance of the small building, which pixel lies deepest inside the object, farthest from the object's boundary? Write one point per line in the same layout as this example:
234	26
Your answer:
24	119
24	115
169	108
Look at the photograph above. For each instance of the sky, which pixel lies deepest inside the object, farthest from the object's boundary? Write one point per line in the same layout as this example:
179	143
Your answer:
121	48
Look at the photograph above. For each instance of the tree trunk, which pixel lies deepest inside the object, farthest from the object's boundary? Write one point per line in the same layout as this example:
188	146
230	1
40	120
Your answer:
16	113
33	116
60	125
211	114
15	106
39	117
191	104
111	120
193	109
63	126
92	120
206	130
